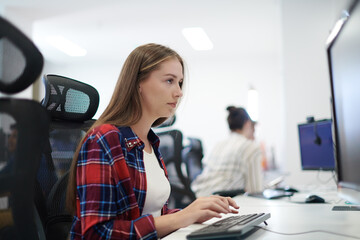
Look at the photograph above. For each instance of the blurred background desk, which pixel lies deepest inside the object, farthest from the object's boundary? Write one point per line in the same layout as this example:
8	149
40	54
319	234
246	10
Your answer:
288	216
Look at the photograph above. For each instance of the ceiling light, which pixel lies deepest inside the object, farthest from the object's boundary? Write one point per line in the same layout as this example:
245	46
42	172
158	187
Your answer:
197	38
66	46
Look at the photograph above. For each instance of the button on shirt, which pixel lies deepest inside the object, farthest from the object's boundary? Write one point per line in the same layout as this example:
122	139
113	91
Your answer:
111	186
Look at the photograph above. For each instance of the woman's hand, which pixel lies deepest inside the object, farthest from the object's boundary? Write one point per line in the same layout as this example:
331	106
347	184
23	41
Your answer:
201	210
205	208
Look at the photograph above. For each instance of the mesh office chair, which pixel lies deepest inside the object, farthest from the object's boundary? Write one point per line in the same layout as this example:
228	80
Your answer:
23	133
192	155
71	104
171	147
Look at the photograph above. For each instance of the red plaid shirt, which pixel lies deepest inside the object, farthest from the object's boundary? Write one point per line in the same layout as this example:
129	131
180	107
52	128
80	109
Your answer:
111	186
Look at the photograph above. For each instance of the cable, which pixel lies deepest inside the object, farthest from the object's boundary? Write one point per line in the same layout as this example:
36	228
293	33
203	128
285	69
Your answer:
335	177
313	231
317	140
325	181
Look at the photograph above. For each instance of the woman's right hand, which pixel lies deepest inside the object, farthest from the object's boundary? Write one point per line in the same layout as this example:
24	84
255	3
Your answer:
205	208
201	210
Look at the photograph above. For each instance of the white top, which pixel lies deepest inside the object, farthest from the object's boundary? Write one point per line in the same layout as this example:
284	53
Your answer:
233	164
158	186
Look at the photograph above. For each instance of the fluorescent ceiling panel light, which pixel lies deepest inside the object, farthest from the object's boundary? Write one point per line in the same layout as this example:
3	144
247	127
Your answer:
66	46
197	38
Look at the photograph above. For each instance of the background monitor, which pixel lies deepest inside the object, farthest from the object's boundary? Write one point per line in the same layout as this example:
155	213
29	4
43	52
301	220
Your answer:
316	146
344	65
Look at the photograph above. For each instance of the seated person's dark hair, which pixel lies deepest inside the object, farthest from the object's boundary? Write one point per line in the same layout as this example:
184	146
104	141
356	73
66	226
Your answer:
237	117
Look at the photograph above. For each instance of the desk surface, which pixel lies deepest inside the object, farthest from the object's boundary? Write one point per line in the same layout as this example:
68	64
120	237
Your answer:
293	216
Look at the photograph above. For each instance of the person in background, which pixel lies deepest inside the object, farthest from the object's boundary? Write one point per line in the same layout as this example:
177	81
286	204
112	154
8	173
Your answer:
234	163
118	186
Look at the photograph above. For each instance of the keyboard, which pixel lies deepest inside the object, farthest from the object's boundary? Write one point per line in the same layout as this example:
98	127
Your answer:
346	208
230	227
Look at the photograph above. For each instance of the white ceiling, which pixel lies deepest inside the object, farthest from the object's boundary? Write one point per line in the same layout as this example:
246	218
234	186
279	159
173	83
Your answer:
110	29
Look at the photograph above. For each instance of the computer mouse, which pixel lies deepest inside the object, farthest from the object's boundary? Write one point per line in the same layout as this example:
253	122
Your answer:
314	199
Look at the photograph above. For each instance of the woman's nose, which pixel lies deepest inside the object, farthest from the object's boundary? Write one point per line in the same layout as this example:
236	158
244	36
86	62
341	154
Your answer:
179	92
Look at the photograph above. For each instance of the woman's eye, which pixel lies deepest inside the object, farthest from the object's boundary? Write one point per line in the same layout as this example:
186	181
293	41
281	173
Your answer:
170	80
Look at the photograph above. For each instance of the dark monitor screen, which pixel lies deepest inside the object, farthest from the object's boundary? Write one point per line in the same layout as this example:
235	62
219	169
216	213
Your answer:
316	146
344	64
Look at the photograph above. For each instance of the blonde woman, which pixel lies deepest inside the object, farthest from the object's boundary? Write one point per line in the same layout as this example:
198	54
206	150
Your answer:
118	186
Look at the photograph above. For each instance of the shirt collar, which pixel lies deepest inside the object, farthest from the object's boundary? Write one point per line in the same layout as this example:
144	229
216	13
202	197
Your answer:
132	140
237	134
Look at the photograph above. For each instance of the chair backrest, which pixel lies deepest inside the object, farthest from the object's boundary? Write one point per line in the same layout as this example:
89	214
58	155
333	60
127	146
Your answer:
69	100
171	149
192	154
24	128
71	105
17	177
20	60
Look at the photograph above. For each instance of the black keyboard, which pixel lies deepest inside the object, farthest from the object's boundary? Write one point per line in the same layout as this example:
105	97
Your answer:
346	208
230	227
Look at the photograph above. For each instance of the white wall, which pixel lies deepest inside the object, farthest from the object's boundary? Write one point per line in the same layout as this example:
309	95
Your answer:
217	83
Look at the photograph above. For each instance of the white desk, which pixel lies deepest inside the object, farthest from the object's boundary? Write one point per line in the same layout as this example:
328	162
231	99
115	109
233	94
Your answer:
290	217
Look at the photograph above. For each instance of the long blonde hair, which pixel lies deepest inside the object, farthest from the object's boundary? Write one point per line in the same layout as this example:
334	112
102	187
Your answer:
124	108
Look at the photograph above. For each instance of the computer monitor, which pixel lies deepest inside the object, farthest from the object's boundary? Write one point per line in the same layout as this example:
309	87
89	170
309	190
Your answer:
343	48
316	146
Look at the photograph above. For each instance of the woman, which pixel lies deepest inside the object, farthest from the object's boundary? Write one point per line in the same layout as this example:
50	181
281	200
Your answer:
118	188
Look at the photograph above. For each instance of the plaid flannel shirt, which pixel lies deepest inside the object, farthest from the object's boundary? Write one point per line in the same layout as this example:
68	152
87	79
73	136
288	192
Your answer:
111	186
